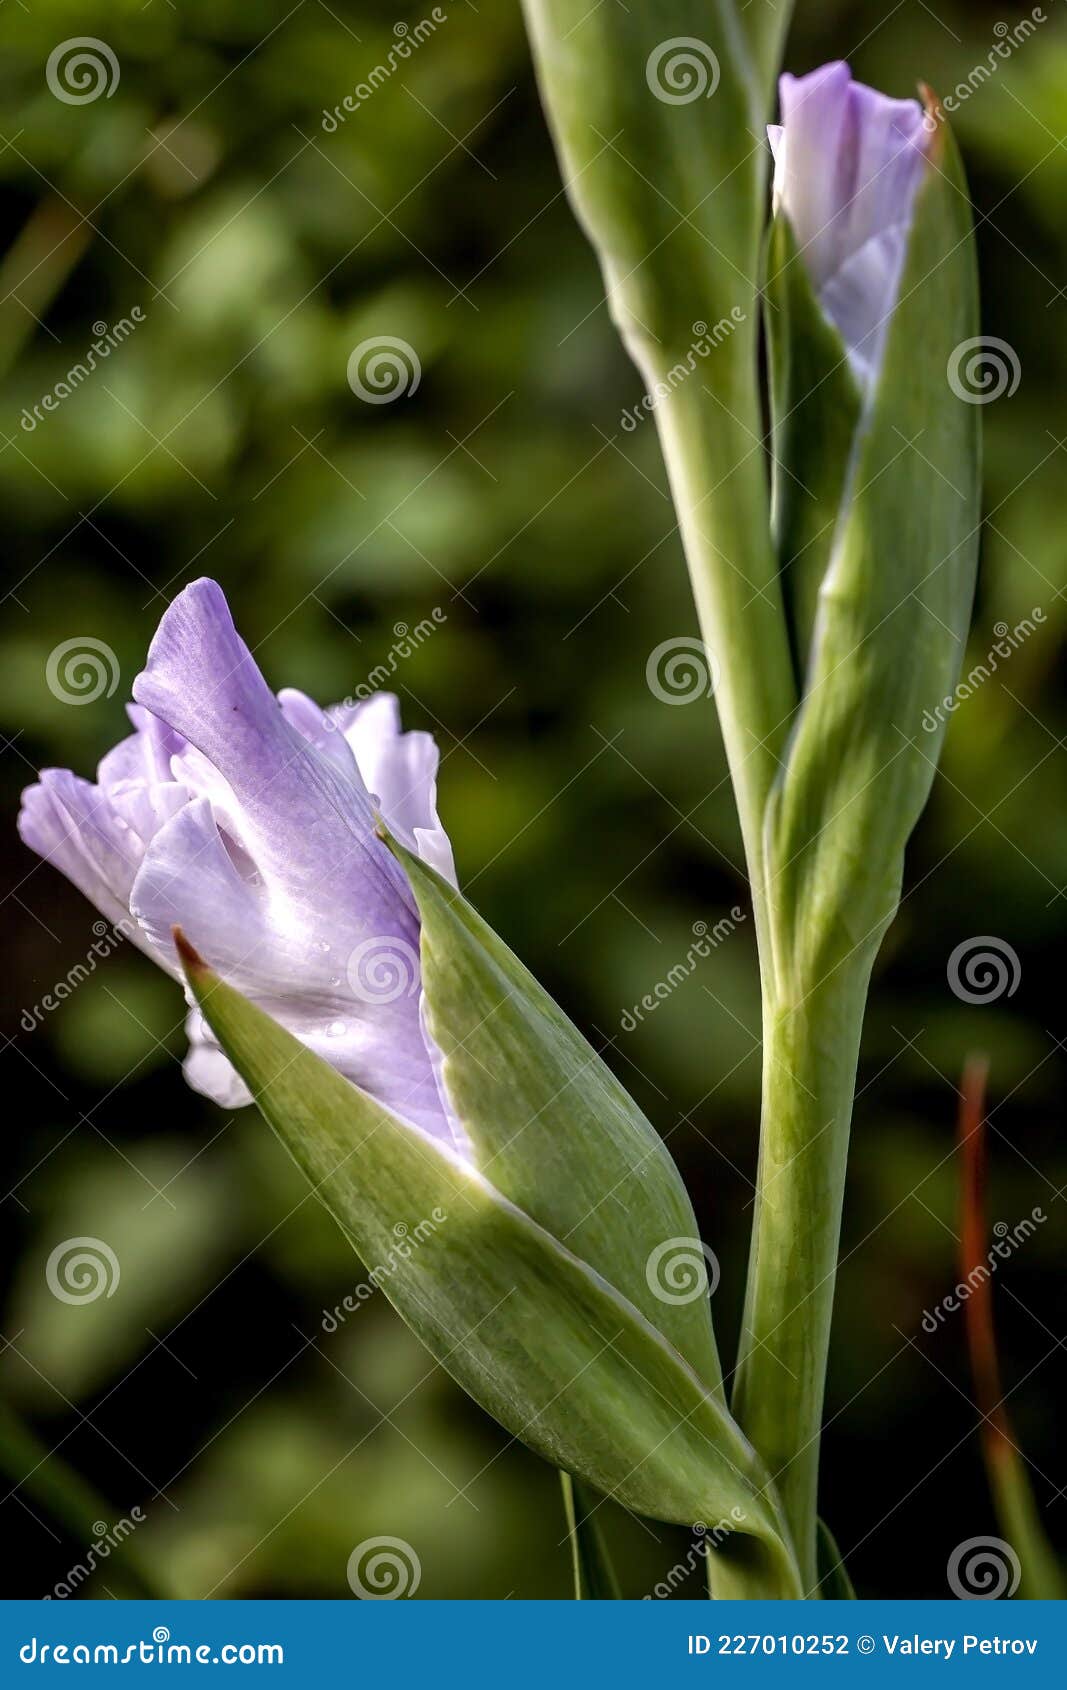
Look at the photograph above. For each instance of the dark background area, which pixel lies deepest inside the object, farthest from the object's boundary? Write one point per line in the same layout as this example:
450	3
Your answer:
592	823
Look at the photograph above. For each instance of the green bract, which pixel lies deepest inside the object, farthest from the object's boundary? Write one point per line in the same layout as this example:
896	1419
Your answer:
658	114
877	518
550	1125
876	523
539	1290
657	111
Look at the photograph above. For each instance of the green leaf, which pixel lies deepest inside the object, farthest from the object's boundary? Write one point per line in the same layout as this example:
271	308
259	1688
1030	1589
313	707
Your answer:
880	548
594	1575
815	409
550	1124
834	1582
659	115
70	1501
531	1331
653	109
1042	1577
765	28
894	606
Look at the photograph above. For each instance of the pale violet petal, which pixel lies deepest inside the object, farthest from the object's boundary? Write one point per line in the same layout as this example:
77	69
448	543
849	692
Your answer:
400	770
208	1071
248	821
848	162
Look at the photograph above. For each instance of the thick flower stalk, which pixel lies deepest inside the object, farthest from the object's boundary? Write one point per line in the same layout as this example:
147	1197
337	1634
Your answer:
412	1066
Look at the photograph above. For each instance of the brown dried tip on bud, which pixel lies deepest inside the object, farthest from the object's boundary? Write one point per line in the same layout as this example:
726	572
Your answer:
190	958
934	120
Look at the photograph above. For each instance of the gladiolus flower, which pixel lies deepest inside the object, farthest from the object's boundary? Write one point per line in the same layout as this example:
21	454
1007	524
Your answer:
251	821
848	162
288	864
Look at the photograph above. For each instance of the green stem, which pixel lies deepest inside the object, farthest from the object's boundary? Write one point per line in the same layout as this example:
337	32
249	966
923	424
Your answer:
744	1569
594	1575
1042	1578
810	1053
714	457
70	1501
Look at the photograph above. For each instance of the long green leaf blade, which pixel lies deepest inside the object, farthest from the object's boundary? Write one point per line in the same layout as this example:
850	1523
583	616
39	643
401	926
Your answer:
594	1575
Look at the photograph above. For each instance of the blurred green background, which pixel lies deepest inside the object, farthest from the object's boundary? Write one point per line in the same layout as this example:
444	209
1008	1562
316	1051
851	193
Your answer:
592	823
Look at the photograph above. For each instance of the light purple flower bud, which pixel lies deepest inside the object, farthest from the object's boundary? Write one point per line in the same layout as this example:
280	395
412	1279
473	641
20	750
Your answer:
848	162
249	821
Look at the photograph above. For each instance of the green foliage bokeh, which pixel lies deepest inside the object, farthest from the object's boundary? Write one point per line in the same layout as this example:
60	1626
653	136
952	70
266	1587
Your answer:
502	505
